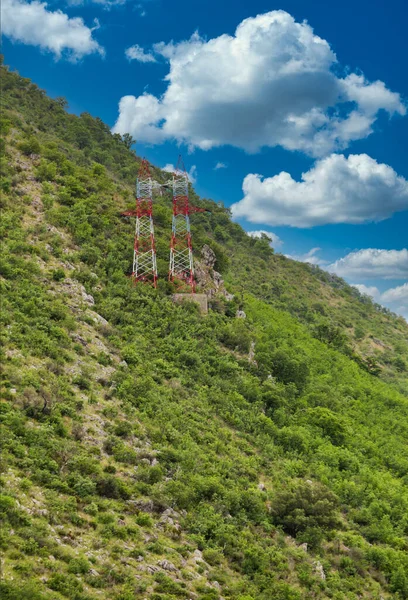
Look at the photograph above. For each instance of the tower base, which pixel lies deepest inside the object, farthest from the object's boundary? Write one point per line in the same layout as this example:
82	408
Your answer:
200	299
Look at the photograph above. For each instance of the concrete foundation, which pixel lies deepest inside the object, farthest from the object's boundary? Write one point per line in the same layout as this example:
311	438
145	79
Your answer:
200	299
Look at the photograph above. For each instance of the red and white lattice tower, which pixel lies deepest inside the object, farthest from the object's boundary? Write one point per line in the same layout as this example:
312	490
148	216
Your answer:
181	266
144	254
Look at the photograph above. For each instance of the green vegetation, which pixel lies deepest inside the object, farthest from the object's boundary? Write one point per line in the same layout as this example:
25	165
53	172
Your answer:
149	451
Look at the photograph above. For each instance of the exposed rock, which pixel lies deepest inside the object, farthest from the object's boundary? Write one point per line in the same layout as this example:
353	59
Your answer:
218	280
200	273
261	487
88	298
99	320
318	567
167	565
240	314
67	540
152	569
208	255
170	512
143	505
197	555
77	292
67	265
303	546
13	353
77	338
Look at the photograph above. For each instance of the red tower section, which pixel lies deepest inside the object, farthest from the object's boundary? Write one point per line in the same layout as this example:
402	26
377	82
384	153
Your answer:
181	267
144	254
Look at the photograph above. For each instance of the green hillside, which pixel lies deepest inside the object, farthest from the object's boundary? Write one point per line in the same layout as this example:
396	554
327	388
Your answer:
150	451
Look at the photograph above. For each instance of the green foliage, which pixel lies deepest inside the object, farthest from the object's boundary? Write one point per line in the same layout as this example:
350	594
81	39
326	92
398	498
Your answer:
148	430
305	506
30	146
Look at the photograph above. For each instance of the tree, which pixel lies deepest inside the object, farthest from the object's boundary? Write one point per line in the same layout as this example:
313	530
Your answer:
128	140
61	101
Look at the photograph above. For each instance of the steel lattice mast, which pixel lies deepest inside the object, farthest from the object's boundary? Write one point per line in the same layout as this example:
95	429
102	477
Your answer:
144	254
181	267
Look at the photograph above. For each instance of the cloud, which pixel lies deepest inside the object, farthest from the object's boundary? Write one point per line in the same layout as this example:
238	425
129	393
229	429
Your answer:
192	173
106	4
274	82
397	299
220	165
275	239
398	294
371	263
368	290
336	189
31	23
137	53
309	257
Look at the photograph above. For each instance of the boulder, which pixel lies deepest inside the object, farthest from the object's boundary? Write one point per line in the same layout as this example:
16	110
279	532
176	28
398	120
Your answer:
167	565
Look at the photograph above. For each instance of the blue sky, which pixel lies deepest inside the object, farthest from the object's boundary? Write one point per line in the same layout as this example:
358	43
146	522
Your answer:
316	88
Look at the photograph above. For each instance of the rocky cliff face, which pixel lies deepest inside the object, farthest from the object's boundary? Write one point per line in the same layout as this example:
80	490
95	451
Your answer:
209	280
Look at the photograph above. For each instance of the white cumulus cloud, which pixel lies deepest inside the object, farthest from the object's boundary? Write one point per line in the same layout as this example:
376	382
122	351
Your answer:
107	4
274	82
31	23
336	189
371	263
398	294
220	165
397	299
368	290
275	239
137	53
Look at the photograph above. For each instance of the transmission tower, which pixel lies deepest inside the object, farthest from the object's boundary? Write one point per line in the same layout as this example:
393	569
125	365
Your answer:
144	254
181	266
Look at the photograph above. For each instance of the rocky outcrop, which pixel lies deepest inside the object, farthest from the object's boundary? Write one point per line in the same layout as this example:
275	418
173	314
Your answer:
210	281
208	256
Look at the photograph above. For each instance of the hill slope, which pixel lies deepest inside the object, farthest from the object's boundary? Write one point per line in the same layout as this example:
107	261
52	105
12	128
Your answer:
152	452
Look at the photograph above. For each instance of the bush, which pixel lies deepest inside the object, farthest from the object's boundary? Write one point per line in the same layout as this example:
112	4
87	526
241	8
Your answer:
30	146
79	565
58	274
46	171
305	505
112	487
67	585
331	424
